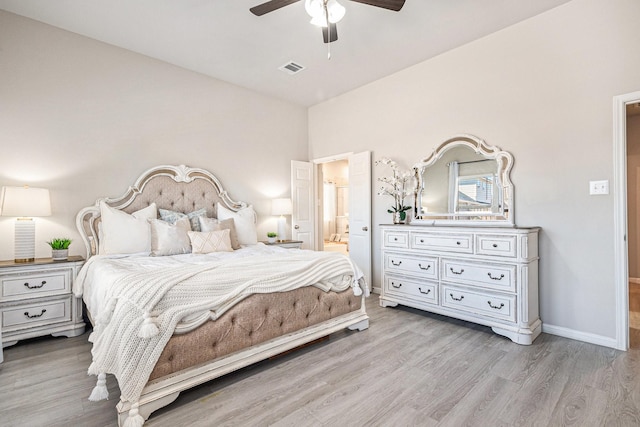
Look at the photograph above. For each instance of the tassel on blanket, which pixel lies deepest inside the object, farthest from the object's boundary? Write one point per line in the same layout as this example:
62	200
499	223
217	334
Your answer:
134	419
100	391
148	328
357	290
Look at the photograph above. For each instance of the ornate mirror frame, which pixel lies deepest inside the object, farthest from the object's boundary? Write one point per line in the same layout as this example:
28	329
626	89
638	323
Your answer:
504	160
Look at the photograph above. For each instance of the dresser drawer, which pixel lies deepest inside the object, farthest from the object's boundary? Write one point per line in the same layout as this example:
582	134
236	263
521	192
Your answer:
413	289
426	267
492	276
395	239
496	245
35	285
460	243
30	315
487	304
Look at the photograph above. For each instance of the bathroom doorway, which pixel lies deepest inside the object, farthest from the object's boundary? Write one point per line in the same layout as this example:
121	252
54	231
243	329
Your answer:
335	206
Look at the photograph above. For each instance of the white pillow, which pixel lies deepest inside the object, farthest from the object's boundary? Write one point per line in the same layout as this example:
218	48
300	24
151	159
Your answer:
204	242
170	239
245	222
123	233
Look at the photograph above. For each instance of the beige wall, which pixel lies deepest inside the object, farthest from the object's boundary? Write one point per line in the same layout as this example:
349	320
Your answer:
84	119
541	89
633	194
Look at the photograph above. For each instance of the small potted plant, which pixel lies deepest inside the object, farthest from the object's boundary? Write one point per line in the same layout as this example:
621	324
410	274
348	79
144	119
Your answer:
59	248
271	237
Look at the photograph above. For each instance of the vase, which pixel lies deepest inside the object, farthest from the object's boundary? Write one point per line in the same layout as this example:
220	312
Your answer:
397	219
271	239
59	254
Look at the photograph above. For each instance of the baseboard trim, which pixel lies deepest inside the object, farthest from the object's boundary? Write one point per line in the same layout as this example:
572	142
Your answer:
579	336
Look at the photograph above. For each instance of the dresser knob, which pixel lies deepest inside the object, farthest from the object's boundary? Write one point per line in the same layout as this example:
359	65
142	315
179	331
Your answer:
495	245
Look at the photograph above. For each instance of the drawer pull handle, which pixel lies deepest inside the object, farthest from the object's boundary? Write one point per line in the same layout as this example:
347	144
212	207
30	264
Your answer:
44	282
456	272
495	245
497	307
458	243
33	316
456	299
424	268
395	239
394	285
421	240
396	264
496	278
423	292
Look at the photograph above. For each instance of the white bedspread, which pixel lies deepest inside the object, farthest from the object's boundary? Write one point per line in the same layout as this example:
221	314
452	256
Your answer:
126	293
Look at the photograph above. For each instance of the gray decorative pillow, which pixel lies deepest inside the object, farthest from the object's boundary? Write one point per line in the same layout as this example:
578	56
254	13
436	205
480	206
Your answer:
172	216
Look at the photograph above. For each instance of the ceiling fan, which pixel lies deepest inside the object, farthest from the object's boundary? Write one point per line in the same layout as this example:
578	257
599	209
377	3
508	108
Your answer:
325	13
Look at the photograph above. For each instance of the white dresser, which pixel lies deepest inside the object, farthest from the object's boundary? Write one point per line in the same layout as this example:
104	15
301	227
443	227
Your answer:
485	275
36	299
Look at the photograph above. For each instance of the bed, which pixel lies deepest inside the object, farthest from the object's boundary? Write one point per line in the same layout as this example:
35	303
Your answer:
168	317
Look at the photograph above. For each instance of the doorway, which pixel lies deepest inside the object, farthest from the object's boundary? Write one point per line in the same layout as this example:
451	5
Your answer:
627	234
334	212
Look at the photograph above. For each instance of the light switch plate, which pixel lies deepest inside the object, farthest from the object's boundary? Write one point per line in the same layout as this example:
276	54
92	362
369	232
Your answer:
598	187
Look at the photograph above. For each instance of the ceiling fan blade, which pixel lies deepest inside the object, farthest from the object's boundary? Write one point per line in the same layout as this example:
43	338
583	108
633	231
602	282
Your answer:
394	5
270	6
333	33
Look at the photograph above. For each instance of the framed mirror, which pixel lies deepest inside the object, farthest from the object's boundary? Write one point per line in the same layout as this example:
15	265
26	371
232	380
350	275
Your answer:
464	181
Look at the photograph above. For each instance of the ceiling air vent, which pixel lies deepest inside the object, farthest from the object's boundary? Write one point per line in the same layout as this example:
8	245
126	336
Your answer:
291	68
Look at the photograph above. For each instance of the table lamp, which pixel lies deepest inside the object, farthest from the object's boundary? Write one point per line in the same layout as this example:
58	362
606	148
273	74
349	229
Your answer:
281	207
24	203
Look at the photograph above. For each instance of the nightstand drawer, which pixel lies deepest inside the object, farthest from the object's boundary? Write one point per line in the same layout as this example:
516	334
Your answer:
34	285
29	315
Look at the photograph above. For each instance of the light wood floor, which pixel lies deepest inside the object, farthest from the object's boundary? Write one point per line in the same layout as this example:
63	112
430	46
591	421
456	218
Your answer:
409	369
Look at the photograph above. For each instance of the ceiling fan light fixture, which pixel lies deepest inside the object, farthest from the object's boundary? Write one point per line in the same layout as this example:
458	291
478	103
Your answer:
315	9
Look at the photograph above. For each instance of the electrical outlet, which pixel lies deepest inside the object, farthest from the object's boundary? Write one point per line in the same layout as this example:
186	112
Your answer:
598	187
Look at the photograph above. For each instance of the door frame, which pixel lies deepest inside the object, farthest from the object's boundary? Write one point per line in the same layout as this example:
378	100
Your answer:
621	253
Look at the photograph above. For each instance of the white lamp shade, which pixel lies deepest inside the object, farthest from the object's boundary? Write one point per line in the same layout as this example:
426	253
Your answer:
281	207
25	202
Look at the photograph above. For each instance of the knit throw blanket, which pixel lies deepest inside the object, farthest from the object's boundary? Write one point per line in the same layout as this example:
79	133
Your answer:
143	309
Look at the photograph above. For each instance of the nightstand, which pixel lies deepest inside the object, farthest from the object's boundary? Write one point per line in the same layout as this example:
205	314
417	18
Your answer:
289	244
36	299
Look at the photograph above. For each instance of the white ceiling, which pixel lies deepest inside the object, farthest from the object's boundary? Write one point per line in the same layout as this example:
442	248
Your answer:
222	39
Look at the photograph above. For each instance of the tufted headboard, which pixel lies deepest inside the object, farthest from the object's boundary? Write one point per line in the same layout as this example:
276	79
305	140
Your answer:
177	188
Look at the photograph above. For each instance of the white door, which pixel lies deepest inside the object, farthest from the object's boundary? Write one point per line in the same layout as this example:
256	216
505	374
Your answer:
302	196
360	212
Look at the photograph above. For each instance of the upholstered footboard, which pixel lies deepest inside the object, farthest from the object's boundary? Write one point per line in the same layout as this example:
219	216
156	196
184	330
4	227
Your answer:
261	326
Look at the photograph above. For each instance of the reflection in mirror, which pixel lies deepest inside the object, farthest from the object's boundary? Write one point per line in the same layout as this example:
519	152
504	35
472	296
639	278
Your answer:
464	180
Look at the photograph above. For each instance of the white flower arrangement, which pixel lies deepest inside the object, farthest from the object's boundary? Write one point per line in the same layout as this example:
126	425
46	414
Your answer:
399	186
